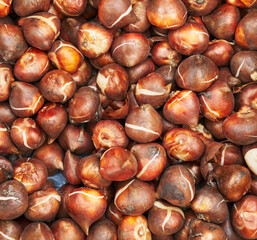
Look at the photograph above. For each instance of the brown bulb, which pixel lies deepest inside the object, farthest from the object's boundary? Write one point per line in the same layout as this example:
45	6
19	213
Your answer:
88	170
76	139
233	181
229	230
191	38
51	155
25	99
70	8
134	197
103	229
160	14
243	65
183	144
209	205
152	90
43	205
176	186
26	134
10	229
217	102
200	8
244	218
151	158
134	227
13	200
196	73
83	74
37	230
183	107
165	219
31	172
246	37
202	230
6	170
66	228
57	86
85	206
84	106
114	214
40	29
52	118
240	127
32	65
6	80
222	22
143	124
6	114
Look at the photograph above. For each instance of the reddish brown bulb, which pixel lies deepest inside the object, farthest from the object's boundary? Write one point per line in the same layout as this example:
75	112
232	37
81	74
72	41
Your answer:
25	99
84	106
6	170
26	134
240	127
94	39
243	3
118	164
176	186
76	139
244	217
109	133
24	8
10	229
83	74
183	233
134	227
6	80
114	214
202	230
151	158
57	86
116	15
152	90
88	170
217	101
51	155
65	56
229	154
209	205
222	22
226	76
142	23
40	29
191	38
52	118
243	65
143	124
246	37
215	128
70	8
85	206
103	60
5	6
229	230
12	43
37	230
176	108
70	163
168	72
196	73
103	229
220	52
140	70
66	228
159	13
32	65
183	144
13	200
6	144
134	197
200	8
233	181
246	96
130	49
113	81
165	219
43	205
163	54
31	172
